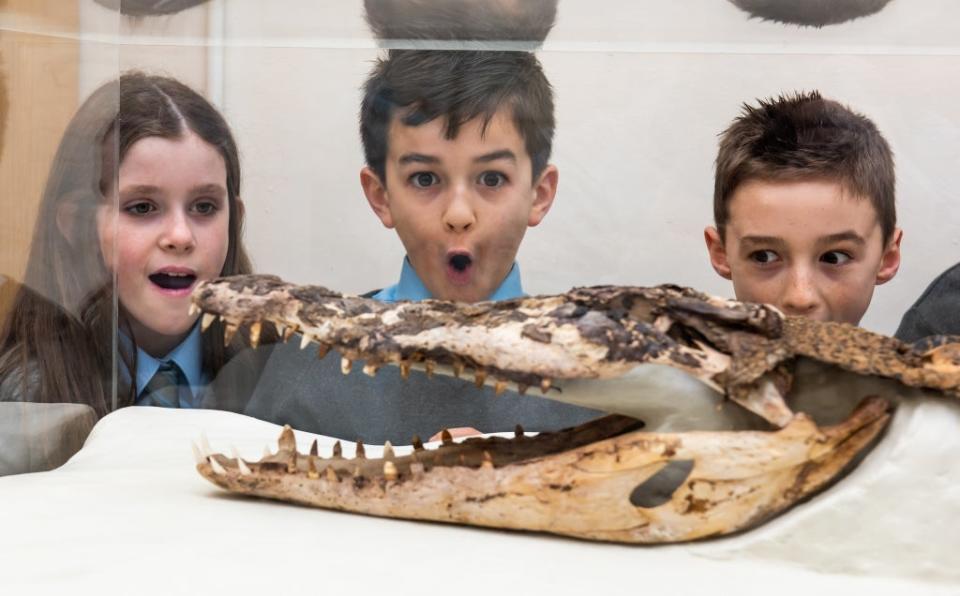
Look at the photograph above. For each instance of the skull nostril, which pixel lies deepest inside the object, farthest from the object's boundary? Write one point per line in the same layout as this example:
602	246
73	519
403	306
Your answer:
659	488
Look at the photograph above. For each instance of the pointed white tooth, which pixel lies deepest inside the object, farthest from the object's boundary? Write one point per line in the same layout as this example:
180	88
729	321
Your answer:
215	466
244	469
388	450
389	471
281	330
234	454
346	365
197	455
207	320
193	309
205	448
304	341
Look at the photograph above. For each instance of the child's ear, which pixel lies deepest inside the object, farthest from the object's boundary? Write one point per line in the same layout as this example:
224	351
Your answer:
376	193
67	213
544	192
890	261
717	252
241	210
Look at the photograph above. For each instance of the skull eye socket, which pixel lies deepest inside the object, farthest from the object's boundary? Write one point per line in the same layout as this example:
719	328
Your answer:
659	488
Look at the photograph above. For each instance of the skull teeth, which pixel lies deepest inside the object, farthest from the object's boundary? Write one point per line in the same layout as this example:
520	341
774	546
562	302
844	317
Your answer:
216	467
229	332
207	320
390	471
244	469
255	329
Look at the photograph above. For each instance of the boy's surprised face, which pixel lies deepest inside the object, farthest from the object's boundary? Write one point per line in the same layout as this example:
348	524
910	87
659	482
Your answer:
807	247
460	206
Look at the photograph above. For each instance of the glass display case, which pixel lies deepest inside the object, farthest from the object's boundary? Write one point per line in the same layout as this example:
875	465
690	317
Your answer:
643	90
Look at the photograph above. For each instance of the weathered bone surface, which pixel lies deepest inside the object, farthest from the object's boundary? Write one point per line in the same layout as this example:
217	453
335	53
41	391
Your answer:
596	347
598	481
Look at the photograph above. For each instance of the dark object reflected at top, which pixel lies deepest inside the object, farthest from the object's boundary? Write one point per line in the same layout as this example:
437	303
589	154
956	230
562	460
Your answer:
811	13
462	20
145	8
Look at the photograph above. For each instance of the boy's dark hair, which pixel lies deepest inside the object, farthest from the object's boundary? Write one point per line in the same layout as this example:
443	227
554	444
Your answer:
811	13
458	86
462	20
806	137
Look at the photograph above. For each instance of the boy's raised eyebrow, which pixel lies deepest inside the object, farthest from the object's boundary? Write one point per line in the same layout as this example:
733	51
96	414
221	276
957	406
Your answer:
757	240
495	155
844	236
417	158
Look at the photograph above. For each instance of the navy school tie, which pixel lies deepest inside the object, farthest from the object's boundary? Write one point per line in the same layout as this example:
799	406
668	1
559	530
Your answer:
167	389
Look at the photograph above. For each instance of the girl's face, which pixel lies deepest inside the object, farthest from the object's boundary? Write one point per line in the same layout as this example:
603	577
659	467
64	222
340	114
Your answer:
162	231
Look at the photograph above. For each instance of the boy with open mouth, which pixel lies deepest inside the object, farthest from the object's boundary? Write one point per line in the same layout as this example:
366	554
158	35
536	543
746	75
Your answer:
457	147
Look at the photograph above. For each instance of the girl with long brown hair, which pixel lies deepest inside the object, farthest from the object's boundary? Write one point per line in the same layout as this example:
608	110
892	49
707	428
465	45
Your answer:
142	202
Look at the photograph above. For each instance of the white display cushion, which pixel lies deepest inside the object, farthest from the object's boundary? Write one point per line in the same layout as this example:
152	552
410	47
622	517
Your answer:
130	514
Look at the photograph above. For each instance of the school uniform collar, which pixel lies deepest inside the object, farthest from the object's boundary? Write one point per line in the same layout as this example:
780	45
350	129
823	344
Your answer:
188	355
410	286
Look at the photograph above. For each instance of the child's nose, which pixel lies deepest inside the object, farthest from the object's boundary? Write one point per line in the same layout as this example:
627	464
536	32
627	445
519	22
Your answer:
801	296
177	234
459	216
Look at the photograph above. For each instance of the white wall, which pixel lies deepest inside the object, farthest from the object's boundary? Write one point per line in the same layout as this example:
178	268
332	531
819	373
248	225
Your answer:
643	88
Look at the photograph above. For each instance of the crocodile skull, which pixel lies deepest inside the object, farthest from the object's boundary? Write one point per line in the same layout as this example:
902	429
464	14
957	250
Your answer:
608	348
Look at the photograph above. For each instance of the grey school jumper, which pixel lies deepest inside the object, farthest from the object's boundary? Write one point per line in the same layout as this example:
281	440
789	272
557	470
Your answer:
313	395
937	311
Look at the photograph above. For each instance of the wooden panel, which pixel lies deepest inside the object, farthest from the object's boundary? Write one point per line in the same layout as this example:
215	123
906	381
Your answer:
40	63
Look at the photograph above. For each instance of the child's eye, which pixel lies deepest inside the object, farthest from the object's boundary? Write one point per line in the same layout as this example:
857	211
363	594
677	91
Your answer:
205	207
424	179
140	208
492	179
835	257
764	257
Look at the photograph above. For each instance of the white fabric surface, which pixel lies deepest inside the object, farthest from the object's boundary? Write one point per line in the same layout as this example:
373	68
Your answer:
130	514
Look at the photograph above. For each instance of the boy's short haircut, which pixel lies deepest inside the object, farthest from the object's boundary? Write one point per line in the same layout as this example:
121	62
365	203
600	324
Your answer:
462	20
811	13
806	137
423	85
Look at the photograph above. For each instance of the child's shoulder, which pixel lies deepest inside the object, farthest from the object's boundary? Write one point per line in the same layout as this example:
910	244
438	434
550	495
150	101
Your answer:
936	310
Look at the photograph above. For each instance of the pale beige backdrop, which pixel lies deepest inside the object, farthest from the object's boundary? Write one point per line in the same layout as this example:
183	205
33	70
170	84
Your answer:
643	88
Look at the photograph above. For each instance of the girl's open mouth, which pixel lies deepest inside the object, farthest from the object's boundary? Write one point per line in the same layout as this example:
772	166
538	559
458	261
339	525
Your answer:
173	282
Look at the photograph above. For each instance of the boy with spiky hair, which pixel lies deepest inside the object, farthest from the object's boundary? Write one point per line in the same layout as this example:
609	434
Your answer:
457	147
804	208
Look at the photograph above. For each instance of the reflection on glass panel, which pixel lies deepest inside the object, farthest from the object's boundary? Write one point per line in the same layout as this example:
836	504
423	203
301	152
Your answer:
812	13
796	152
58	324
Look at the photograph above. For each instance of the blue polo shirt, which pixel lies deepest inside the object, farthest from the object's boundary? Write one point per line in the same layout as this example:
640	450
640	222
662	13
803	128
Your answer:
188	356
410	287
